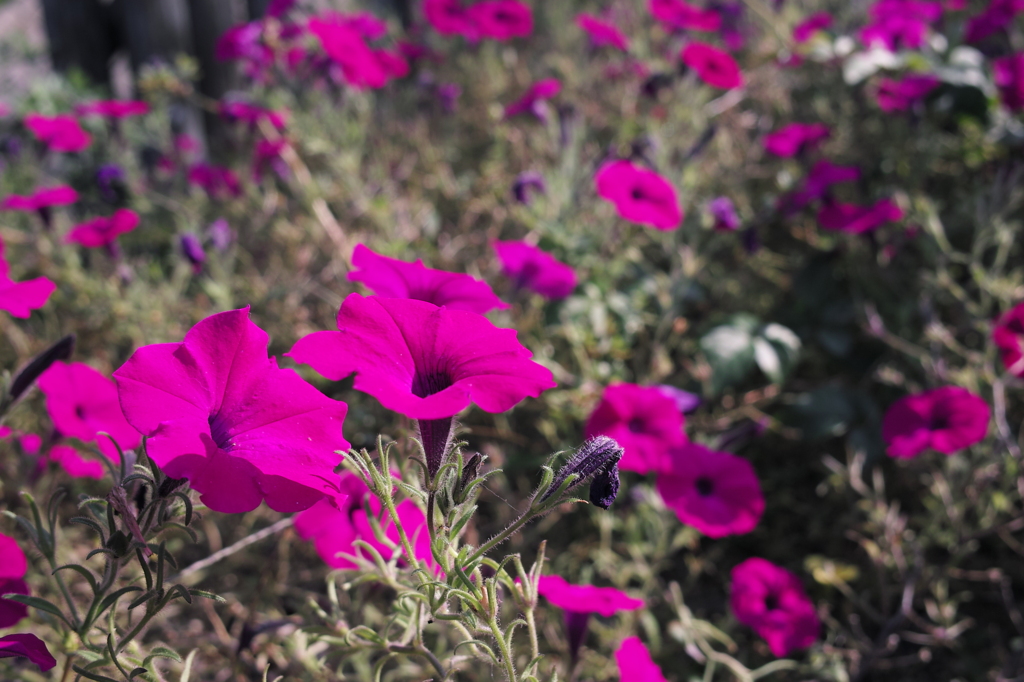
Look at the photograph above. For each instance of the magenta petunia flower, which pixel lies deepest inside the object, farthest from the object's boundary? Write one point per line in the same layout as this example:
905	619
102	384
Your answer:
900	95
819	181
680	16
715	492
635	664
21	298
644	420
345	44
858	219
946	419
501	19
602	33
640	195
252	114
795	138
604	601
771	600
113	108
219	182
28	646
424	361
818	21
534	99
12	569
44	198
1009	78
215	408
534	269
900	24
724	213
334	529
83	403
61	133
715	67
72	462
103	231
392	278
449	17
996	17
1008	335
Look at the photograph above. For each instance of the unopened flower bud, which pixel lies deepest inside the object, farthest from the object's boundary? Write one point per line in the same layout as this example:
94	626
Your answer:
597	459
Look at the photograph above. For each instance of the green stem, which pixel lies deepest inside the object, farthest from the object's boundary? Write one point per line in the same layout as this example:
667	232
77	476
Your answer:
136	630
410	555
506	655
531	627
501	537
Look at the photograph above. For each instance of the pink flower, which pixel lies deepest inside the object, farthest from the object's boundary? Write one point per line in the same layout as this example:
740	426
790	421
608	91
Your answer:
818	21
267	155
531	268
644	420
113	108
795	138
42	198
715	67
252	114
819	181
602	32
449	17
424	361
392	278
217	409
72	462
335	529
640	195
858	219
501	19
20	298
604	601
60	133
900	95
29	646
724	213
1008	335
996	17
216	180
533	100
103	230
715	492
678	15
635	664
83	403
898	24
361	66
1009	78
946	419
12	569
771	600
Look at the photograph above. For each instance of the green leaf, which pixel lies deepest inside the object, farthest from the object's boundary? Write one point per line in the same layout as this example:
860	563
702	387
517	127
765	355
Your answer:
92	676
81	570
776	351
40	604
161	652
111	598
729	349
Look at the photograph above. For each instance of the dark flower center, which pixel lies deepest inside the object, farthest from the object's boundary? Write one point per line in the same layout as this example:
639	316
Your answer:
771	602
704	486
80	412
939	422
636	425
218	431
429	383
638	194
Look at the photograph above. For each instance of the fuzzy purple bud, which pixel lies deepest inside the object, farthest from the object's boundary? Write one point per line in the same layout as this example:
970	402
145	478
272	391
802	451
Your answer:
724	213
598	459
192	248
526	184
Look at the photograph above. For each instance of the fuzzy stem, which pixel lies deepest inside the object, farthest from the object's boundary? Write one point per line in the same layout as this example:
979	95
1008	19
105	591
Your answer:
506	655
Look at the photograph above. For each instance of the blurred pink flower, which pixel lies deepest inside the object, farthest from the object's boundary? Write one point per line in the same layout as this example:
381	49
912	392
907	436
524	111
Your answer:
819	181
640	195
795	138
501	19
449	17
858	219
217	409
334	529
72	462
392	278
715	67
1008	335
602	33
424	361
604	601
218	181
345	44
20	298
635	664
113	108
534	99
12	569
267	155
715	492
534	269
900	95
996	17
724	213
644	420
42	198
900	24
818	21
29	646
946	419
82	403
252	114
61	133
1009	78
103	231
678	15
771	600
277	8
